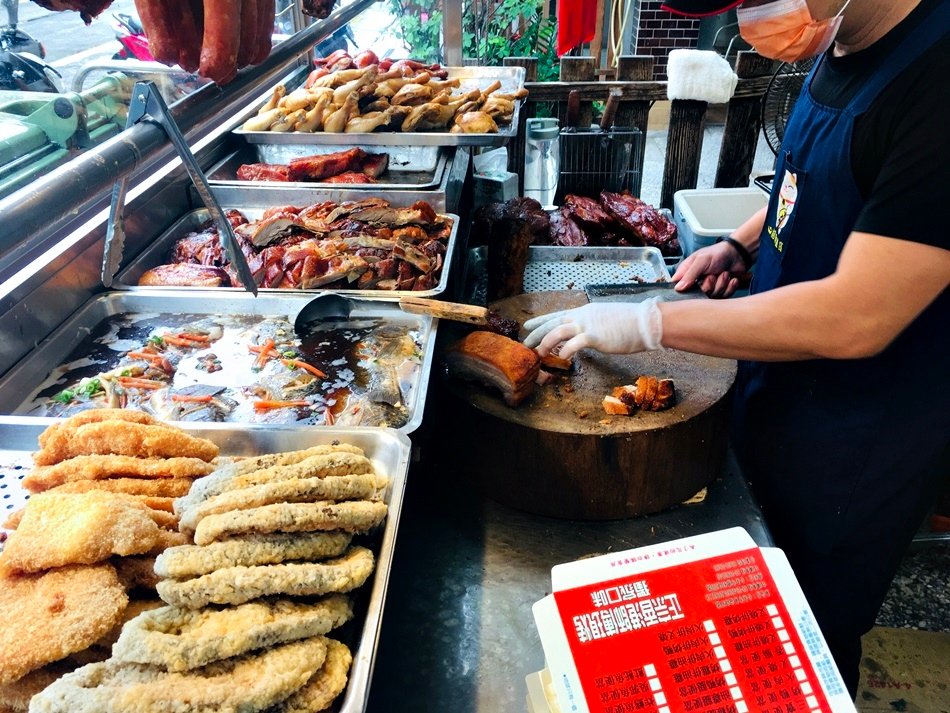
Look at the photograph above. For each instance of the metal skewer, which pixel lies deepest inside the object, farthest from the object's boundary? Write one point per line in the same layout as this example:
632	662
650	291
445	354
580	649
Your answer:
148	105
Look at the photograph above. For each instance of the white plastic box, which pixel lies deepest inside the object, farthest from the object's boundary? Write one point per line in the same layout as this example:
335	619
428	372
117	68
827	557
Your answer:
702	215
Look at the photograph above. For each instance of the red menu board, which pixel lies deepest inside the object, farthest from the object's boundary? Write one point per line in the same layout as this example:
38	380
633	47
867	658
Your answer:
710	635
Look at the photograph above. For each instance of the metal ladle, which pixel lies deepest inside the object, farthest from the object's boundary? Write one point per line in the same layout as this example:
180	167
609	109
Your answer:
331	306
322	308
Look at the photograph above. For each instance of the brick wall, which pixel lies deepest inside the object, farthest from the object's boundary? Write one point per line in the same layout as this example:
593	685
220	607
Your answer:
658	31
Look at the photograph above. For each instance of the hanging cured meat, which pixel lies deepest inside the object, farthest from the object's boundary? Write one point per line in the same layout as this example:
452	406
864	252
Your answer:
87	9
215	38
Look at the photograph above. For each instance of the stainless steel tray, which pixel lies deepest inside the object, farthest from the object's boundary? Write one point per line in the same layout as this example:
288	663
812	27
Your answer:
566	268
511	78
157	252
414	168
262	195
38	370
388	450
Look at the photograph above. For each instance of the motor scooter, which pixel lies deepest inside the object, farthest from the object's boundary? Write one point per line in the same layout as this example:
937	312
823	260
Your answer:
131	35
22	67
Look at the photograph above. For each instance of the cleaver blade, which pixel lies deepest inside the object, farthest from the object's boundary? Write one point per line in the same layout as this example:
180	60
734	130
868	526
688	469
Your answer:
638	291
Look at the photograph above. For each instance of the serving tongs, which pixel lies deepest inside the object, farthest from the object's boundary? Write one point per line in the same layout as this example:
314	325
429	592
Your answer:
148	105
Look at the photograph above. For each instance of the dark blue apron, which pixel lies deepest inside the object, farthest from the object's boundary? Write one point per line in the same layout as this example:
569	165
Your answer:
841	453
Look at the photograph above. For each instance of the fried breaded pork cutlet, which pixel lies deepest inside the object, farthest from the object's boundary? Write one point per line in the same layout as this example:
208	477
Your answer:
250	551
325	685
350	516
59	432
158	487
136	572
16	696
48	616
184	639
80	528
236	585
135	607
303	490
330	461
119	437
101	467
247	683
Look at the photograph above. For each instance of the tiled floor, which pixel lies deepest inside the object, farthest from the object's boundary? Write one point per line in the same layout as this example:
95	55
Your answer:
905	656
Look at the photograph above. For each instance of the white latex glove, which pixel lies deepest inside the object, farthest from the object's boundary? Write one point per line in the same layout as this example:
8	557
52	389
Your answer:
611	327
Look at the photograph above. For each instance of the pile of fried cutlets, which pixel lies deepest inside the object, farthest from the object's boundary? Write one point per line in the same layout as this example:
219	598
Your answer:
147	573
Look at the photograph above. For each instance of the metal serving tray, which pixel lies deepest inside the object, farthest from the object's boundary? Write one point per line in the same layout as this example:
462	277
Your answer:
566	268
37	371
388	450
511	78
262	195
157	252
414	168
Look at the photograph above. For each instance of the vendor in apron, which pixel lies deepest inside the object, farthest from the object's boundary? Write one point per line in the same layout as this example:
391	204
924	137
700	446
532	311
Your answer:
842	404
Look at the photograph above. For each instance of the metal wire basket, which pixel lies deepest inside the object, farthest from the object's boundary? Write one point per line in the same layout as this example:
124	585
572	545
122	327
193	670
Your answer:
593	160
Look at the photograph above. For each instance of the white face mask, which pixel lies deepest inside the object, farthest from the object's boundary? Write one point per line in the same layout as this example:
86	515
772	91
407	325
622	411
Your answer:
786	30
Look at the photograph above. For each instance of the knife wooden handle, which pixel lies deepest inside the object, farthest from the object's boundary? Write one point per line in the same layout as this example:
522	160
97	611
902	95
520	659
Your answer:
573	108
610	110
471	314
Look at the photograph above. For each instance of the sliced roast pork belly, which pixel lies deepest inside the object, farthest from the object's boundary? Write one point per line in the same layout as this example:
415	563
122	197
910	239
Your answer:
202	248
410	234
369	241
413	255
267	230
323	271
353	228
496	361
280	210
347	208
418	212
185	274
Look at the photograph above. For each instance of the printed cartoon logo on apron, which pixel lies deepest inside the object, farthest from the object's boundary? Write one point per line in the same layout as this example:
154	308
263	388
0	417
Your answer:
784	207
786	200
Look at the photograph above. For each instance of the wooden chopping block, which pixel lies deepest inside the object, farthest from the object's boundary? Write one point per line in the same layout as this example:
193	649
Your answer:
559	454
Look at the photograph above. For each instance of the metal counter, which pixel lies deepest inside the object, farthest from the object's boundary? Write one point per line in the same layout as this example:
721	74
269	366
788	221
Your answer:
459	634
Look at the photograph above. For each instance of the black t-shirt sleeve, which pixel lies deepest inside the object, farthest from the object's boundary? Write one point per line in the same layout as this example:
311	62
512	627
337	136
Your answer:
901	154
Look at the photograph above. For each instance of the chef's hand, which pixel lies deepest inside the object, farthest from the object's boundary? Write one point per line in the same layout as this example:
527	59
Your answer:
714	268
611	327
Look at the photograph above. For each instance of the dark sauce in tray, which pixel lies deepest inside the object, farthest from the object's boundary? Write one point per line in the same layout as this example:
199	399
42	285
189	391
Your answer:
372	369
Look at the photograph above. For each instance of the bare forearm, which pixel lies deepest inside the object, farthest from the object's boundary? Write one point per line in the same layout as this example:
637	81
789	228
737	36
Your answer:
787	324
844	316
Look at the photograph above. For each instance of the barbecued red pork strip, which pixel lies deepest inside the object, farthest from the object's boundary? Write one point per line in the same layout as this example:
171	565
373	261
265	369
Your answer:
263	172
315	168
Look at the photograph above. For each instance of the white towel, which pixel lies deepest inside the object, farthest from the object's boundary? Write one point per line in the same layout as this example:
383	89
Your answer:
701	75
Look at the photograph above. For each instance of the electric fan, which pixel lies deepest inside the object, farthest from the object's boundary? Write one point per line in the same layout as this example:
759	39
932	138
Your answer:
780	96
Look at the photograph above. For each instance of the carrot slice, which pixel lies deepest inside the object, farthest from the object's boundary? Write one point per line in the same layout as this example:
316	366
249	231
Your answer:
135	383
297	364
181	342
194	337
145	355
267	405
265	354
157	359
185	398
259	349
